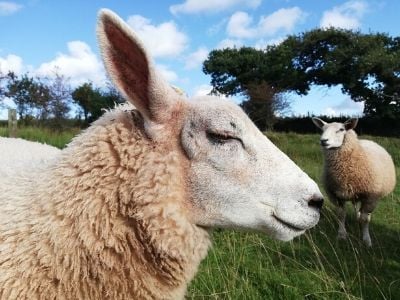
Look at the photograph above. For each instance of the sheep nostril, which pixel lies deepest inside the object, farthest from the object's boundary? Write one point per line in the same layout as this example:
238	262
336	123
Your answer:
324	142
316	202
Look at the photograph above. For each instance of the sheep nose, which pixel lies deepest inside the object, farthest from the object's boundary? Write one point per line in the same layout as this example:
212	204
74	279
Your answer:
316	201
324	142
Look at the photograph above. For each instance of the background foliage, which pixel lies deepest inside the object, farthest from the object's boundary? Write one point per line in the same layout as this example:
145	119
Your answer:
52	101
366	66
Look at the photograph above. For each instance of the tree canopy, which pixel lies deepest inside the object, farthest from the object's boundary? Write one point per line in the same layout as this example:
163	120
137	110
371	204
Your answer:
51	100
93	100
30	95
367	66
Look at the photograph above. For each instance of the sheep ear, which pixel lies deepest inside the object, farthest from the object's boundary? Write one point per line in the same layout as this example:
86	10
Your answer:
318	122
351	123
130	68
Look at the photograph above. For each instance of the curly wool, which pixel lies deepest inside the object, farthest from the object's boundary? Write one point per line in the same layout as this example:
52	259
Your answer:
14	156
359	169
106	221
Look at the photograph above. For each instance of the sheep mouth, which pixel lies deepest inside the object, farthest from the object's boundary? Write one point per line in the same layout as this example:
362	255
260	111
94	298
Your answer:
289	225
330	147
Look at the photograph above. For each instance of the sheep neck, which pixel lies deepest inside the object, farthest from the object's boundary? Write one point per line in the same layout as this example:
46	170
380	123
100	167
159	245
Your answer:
343	167
121	199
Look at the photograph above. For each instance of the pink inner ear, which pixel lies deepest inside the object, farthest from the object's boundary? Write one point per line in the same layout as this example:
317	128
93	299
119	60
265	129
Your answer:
128	65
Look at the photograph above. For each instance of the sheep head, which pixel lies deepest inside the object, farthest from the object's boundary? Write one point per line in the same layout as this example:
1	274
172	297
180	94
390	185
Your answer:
235	177
333	133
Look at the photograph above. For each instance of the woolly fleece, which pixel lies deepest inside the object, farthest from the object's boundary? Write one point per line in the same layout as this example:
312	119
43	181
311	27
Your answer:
359	170
109	247
16	153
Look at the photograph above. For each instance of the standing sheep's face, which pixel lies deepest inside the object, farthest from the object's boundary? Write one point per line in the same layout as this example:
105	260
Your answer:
333	133
235	176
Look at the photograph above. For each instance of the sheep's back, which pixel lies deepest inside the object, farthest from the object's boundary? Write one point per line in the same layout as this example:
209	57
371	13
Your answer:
22	163
18	155
382	167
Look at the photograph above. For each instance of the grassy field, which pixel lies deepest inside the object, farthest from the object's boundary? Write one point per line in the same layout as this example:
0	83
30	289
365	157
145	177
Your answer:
44	135
314	266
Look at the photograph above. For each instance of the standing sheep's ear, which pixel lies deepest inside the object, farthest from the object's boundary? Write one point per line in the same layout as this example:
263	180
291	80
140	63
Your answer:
318	122
350	123
131	69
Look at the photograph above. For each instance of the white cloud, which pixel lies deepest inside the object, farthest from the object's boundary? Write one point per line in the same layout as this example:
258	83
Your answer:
166	73
162	40
347	15
218	27
262	44
11	63
282	19
196	58
202	90
9	8
210	6
205	89
347	107
80	65
229	43
285	19
239	26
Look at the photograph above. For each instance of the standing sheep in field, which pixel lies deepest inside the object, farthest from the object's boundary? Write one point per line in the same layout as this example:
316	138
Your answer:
356	170
124	211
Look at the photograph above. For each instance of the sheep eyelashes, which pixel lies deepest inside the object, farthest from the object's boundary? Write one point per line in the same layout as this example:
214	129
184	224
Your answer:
355	170
123	211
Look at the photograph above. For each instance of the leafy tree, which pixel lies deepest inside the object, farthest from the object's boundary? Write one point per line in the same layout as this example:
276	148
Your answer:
232	69
94	101
50	98
112	94
244	71
85	95
29	95
366	65
262	103
3	83
60	97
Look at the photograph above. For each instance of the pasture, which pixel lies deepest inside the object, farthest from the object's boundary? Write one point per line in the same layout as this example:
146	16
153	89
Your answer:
244	265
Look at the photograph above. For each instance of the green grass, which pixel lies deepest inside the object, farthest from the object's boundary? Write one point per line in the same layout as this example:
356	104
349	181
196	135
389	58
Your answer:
44	135
314	266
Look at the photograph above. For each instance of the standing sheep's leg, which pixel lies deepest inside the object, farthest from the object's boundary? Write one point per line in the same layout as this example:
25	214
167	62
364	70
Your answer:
341	214
364	220
357	209
367	206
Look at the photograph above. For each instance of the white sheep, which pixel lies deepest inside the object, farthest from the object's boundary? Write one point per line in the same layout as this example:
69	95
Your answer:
18	155
356	170
124	211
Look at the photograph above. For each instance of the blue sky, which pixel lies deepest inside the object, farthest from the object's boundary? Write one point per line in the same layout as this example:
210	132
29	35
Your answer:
37	36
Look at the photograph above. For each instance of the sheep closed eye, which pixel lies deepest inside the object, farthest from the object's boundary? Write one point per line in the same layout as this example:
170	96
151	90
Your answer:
221	138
